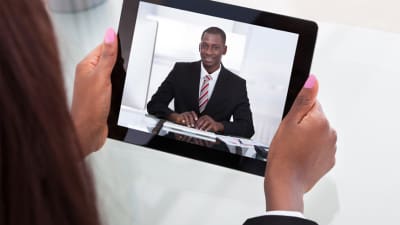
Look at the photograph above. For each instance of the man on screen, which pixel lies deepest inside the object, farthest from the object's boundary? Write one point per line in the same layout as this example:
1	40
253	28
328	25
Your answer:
206	95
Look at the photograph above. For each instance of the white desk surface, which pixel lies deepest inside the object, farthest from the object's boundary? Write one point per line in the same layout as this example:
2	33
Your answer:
356	62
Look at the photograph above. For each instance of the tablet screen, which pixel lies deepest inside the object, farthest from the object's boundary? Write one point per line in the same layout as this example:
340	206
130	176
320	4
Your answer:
206	80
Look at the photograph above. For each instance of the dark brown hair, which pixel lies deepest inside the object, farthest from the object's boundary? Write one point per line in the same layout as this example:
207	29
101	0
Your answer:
42	178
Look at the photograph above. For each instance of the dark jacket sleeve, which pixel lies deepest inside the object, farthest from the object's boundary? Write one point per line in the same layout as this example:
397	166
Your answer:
278	220
158	105
242	124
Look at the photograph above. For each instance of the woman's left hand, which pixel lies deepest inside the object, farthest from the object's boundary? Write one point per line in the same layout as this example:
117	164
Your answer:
92	94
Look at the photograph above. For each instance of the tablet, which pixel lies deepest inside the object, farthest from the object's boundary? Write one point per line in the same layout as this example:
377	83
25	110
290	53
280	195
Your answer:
207	80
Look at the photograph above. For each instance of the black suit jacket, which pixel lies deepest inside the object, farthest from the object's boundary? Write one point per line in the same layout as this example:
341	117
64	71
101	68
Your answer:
229	98
278	220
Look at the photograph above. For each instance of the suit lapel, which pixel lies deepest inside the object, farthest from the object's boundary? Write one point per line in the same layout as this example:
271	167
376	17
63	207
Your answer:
194	82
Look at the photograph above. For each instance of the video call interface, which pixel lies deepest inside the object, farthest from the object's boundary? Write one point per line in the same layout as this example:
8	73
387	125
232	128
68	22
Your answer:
206	80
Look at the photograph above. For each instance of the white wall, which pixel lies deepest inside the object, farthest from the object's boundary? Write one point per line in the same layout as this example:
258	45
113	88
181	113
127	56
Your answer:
140	64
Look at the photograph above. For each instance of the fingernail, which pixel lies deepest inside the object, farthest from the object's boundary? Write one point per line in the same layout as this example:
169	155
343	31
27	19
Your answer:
310	82
109	38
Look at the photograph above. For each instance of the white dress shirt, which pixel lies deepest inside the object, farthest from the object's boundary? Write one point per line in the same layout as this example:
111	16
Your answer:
285	213
211	83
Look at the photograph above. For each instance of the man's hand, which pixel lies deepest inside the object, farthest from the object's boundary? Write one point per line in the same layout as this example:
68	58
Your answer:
187	118
209	124
302	151
92	94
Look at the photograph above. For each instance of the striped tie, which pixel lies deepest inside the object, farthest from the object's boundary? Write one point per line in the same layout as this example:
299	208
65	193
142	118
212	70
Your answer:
203	99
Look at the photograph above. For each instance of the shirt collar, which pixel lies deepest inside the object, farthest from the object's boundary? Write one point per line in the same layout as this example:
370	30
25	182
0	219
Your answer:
213	75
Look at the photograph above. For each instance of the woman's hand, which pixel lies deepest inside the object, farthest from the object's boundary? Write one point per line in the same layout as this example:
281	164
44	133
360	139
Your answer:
302	151
92	94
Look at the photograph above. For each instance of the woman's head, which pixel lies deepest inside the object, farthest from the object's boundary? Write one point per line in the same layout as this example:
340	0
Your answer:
41	179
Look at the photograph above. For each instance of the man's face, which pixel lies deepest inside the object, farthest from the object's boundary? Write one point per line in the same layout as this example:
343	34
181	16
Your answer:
212	48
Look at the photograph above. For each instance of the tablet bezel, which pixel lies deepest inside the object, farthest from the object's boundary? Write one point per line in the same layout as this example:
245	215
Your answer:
307	31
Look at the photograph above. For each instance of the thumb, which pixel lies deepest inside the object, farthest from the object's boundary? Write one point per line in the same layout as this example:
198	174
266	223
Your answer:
305	100
109	53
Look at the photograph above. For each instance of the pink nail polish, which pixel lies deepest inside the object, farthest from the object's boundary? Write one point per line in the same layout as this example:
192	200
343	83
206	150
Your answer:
310	82
109	38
